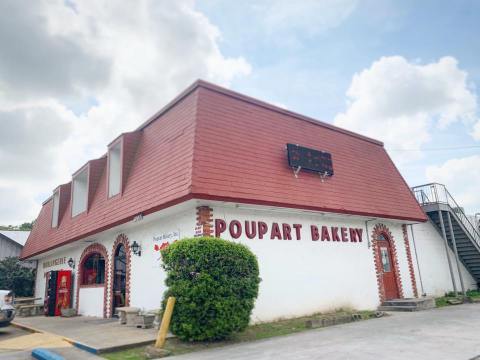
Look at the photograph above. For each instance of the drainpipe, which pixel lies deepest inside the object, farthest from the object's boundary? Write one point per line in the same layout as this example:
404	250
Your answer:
416	257
452	235
442	225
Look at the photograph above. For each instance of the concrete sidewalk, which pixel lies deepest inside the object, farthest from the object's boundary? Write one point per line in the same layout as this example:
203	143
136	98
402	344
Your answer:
95	335
446	333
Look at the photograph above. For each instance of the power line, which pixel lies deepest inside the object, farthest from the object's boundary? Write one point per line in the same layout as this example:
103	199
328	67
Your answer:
440	148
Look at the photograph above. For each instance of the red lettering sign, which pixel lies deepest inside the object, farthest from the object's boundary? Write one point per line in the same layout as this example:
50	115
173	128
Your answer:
254	229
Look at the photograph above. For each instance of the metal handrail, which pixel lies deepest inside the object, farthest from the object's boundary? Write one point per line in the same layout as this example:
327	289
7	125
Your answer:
435	193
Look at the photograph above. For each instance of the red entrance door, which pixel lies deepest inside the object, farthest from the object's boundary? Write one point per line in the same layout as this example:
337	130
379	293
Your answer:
388	271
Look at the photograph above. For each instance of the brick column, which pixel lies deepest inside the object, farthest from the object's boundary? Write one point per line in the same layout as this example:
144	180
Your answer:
410	261
205	219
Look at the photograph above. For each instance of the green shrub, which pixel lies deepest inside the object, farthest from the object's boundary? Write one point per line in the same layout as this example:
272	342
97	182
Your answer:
15	277
215	283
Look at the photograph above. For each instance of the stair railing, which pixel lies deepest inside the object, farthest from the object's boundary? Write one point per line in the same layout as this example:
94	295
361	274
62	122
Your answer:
435	193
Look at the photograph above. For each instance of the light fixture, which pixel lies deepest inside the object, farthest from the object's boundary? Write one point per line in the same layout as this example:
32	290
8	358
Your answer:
71	263
138	217
136	249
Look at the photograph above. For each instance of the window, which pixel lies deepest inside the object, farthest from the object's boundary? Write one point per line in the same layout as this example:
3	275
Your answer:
93	270
80	192
114	169
385	259
56	207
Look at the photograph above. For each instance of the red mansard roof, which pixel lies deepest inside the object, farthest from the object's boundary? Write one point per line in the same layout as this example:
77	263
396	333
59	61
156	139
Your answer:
213	143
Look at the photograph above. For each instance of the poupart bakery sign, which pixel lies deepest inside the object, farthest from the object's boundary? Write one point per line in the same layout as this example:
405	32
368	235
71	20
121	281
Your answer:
284	231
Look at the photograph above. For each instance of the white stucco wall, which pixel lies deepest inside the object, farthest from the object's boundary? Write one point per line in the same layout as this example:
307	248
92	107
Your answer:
303	277
91	301
432	259
147	279
299	277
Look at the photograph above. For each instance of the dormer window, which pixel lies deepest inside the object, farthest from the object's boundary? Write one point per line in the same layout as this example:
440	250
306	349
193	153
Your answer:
56	208
115	169
80	192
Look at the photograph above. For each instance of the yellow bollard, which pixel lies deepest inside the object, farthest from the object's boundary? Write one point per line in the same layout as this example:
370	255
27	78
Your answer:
167	315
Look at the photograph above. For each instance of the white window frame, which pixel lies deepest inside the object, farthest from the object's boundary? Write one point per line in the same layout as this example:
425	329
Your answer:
85	171
55	208
114	147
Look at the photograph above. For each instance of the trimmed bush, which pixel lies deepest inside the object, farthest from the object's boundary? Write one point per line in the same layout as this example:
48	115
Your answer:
215	283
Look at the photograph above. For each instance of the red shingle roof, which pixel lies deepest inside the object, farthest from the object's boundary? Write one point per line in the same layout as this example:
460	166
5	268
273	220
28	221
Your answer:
212	143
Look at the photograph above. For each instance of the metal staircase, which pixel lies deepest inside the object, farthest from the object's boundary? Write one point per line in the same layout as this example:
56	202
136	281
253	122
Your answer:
460	231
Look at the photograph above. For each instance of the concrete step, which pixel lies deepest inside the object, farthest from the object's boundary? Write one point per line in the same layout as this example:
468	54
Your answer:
408	304
397	308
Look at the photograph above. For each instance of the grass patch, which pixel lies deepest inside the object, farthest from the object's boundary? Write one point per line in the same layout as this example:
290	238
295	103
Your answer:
252	333
444	300
473	293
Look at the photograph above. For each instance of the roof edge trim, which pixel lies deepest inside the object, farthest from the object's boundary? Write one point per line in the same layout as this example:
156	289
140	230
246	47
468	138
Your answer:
305	207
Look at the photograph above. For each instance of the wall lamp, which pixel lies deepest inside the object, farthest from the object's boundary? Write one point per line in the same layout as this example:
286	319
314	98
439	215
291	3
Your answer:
137	250
71	263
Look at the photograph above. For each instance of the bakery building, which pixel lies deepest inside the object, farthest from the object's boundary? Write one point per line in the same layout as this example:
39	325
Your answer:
325	210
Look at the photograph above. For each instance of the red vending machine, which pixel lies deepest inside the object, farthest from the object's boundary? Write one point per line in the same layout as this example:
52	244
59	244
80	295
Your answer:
57	292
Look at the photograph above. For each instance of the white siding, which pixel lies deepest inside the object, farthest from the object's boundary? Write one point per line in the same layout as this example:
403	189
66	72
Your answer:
80	192
9	248
115	169
433	263
56	206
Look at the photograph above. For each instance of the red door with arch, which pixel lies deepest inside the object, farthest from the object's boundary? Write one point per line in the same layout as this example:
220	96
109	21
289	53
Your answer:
389	277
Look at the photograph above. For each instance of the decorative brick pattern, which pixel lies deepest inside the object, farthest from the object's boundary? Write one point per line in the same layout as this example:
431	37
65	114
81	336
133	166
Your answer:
381	229
205	219
410	261
91	249
121	239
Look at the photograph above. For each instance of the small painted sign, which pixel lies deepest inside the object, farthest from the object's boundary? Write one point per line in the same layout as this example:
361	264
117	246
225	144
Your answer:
160	242
198	231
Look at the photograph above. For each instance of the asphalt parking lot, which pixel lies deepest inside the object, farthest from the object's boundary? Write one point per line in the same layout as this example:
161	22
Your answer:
9	333
17	344
448	333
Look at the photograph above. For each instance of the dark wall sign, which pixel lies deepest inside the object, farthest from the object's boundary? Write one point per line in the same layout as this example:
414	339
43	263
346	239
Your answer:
310	159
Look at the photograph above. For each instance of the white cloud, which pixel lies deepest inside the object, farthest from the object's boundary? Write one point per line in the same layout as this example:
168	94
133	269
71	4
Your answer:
400	102
476	131
17	205
461	177
311	17
117	62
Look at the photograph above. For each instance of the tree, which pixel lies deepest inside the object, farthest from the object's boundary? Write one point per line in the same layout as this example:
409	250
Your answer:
215	283
14	276
26	226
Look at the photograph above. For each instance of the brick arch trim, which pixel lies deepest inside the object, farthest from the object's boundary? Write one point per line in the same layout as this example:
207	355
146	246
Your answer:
381	229
91	249
410	261
121	239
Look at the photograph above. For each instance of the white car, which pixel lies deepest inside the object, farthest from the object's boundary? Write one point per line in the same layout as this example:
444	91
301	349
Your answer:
7	310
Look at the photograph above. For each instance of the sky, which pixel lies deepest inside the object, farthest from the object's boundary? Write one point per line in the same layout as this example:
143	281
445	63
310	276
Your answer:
75	74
